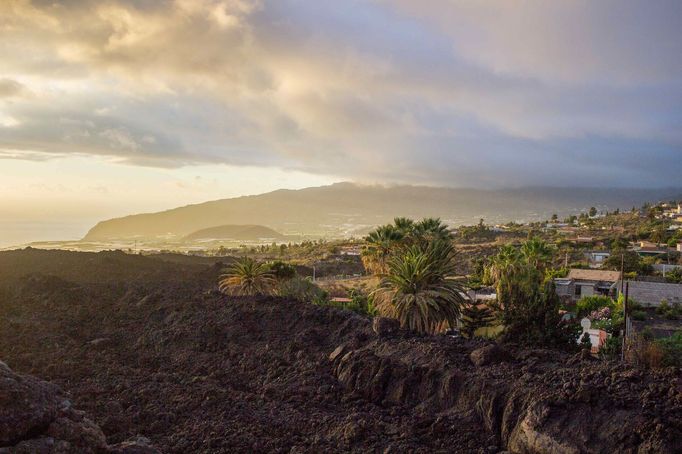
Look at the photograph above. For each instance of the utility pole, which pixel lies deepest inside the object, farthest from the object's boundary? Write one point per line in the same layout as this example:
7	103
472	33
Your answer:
622	270
625	320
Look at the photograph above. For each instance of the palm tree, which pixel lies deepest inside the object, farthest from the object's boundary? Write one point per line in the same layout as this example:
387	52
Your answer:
247	277
536	253
418	289
431	229
504	272
404	225
380	244
518	273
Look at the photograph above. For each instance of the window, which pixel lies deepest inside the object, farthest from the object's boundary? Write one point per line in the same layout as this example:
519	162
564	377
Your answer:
577	290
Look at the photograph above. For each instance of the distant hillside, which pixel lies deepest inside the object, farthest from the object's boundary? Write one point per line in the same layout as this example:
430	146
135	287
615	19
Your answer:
344	208
234	232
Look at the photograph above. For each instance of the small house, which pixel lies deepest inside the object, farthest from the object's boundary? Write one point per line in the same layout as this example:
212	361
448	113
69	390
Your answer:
590	282
597	258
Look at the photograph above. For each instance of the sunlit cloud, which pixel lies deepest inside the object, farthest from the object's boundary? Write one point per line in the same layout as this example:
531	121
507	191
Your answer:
454	93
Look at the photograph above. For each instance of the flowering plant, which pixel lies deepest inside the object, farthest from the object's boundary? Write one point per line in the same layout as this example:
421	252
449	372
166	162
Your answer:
602	314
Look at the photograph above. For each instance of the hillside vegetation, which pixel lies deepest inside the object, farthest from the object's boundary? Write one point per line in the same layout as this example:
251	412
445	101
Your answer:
235	232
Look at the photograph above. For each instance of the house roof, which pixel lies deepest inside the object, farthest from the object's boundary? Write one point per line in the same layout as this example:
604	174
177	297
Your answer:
652	249
594	275
652	293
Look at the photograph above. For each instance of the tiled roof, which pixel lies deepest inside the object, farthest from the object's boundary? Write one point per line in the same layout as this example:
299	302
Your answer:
594	275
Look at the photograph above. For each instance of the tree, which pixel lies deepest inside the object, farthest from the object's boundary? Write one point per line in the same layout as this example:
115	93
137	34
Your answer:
247	277
535	319
417	288
430	229
629	261
592	212
475	317
404	225
658	235
380	244
526	297
386	240
555	218
536	253
619	243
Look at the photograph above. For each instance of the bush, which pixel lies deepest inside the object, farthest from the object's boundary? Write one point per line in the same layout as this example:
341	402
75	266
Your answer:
611	348
669	311
639	315
301	289
663	308
475	317
282	270
672	349
647	334
359	303
674	276
588	304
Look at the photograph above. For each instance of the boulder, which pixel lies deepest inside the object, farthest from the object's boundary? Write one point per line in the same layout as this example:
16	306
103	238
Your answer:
35	417
27	406
385	326
490	354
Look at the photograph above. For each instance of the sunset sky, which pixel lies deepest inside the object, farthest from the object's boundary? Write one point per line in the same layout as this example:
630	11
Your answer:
120	106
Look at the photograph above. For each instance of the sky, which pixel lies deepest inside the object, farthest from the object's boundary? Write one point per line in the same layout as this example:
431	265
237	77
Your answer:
118	106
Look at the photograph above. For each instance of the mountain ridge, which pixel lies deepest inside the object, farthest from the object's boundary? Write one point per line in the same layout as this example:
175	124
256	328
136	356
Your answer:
342	208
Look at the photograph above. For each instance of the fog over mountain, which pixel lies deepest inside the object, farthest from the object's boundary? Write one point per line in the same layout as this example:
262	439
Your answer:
344	209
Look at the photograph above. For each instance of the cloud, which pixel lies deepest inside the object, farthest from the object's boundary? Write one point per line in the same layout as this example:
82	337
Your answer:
458	93
10	88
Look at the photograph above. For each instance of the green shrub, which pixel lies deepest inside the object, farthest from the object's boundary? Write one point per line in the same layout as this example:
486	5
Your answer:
647	334
639	315
672	349
588	304
359	303
611	348
663	307
474	318
282	270
669	311
606	325
301	289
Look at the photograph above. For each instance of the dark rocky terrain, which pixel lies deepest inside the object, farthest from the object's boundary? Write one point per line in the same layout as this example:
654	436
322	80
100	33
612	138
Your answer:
35	417
149	348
